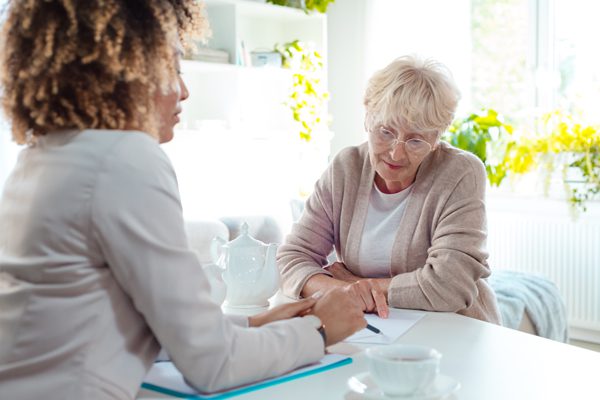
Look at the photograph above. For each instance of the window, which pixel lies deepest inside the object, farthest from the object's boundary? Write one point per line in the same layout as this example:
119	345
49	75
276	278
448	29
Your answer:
577	60
533	56
503	62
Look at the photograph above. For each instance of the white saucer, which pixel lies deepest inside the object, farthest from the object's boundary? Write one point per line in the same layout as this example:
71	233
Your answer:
364	384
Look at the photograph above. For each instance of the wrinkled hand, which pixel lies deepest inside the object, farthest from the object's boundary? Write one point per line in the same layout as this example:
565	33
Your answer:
341	273
340	314
370	295
282	311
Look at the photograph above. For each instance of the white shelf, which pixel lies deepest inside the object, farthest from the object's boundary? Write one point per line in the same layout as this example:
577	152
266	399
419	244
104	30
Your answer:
236	94
245	95
189	66
195	66
260	26
262	9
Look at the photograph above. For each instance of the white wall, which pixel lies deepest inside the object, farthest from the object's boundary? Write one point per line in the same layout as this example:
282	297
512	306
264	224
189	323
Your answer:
346	70
439	29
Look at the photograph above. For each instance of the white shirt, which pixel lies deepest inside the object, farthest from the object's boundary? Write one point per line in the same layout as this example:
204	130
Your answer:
95	272
379	233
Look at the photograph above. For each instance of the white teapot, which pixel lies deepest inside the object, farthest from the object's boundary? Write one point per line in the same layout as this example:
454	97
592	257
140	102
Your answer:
249	270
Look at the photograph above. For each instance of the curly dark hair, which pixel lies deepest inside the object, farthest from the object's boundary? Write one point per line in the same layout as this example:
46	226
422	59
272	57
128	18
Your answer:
90	64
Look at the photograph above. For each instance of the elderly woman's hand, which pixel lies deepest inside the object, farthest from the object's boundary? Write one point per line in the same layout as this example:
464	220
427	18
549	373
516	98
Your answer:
340	272
372	295
371	292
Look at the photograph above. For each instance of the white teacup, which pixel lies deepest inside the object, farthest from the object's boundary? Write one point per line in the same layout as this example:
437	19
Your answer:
403	370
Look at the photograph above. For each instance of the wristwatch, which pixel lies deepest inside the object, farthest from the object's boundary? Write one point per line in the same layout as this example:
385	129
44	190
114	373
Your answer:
318	325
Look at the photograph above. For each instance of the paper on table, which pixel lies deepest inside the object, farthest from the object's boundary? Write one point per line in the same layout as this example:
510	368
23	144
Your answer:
163	377
397	324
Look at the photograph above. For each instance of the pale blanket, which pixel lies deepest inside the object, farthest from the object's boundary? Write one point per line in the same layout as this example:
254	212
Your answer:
518	292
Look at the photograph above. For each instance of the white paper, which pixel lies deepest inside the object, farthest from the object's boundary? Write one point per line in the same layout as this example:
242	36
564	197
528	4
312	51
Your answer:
166	376
396	325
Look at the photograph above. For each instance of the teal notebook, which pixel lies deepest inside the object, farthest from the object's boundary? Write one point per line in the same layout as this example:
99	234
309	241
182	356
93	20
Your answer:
163	377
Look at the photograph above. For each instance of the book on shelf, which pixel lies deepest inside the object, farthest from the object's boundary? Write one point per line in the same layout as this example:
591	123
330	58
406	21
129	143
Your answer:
207	54
243	55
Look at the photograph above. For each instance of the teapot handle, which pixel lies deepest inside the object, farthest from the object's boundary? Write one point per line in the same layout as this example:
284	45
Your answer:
216	249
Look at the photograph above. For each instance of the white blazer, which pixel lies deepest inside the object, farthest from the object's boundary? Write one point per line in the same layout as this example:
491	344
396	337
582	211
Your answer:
95	272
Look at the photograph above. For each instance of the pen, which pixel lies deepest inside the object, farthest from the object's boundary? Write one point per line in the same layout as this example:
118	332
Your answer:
373	329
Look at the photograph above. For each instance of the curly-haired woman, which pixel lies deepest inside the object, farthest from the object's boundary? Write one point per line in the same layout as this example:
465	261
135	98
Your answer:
95	269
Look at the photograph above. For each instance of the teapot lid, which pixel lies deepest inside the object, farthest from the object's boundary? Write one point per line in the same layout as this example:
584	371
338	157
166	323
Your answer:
244	239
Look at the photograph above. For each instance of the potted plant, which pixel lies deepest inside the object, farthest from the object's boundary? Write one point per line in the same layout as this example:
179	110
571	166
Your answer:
559	145
307	101
486	135
309	95
306	5
569	147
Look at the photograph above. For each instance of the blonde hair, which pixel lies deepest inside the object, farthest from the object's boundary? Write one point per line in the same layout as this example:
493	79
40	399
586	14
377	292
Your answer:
68	64
411	93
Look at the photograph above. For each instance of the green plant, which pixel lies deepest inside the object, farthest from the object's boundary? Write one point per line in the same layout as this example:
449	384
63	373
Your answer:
568	146
488	137
559	144
306	5
308	94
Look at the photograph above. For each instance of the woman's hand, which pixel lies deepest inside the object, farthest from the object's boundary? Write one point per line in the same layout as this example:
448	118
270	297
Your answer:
372	293
282	311
340	314
341	273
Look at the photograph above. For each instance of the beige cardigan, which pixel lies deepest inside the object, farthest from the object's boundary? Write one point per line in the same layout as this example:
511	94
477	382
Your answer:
438	257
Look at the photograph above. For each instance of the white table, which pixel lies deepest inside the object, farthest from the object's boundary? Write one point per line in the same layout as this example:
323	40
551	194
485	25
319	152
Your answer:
491	362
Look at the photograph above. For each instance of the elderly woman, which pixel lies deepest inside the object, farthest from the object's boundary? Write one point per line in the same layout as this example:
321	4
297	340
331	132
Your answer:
405	212
95	268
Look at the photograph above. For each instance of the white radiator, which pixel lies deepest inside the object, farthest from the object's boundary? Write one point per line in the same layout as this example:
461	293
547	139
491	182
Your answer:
539	235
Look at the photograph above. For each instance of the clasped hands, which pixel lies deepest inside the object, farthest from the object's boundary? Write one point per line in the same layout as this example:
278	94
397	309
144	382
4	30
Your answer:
340	303
339	313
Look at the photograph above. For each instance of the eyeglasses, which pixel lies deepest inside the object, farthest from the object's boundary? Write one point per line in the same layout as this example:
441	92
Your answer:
384	137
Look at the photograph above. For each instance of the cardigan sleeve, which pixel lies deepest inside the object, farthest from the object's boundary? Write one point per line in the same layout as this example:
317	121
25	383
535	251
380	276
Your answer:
311	240
456	258
138	224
